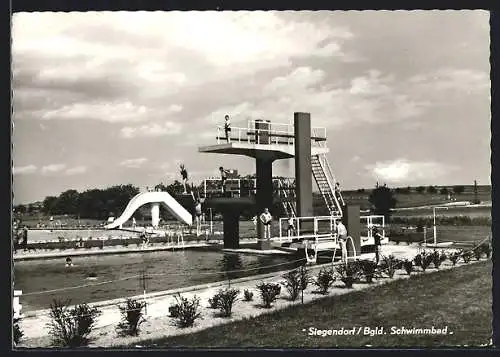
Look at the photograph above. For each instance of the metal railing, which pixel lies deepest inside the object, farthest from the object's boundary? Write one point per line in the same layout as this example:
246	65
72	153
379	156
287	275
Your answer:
276	134
332	181
321	226
371	222
235	186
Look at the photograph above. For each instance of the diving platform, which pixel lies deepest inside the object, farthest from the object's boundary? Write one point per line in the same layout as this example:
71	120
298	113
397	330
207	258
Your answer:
260	138
277	151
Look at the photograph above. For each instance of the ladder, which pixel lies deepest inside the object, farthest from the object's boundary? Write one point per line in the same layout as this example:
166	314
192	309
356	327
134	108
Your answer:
325	180
287	196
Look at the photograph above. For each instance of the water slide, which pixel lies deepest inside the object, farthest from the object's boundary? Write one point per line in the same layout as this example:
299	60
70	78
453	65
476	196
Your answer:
174	207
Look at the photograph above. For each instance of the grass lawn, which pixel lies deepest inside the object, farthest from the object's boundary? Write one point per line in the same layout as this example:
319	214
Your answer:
459	299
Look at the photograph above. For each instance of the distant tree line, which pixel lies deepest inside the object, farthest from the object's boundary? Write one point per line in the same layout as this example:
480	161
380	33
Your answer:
458	189
95	203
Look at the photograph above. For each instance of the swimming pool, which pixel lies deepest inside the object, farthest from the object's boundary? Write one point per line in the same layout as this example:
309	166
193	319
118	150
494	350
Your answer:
120	276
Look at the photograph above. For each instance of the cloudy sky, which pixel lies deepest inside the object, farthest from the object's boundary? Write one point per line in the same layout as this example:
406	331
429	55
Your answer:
104	98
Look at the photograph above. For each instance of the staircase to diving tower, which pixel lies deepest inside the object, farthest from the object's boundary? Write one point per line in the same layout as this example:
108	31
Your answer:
325	180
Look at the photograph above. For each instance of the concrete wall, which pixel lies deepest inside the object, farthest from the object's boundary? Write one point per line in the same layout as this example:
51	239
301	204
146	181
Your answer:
303	169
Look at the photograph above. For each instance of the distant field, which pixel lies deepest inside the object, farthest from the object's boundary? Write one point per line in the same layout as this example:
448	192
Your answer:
415	199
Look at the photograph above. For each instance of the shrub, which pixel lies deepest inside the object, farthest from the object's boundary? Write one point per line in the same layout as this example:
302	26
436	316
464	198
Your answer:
213	302
185	311
225	300
304	277
478	252
17	332
466	256
132	317
349	273
368	268
174	310
324	280
269	293
408	266
389	264
248	295
427	259
418	260
486	249
292	284
454	257
438	258
71	327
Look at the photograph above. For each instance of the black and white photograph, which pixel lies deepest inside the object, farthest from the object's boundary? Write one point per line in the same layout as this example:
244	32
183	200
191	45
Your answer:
251	179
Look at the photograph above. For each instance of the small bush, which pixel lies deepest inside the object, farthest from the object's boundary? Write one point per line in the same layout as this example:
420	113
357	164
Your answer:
71	327
304	278
418	260
18	333
486	249
292	284
478	252
269	293
368	268
349	273
454	257
174	311
438	258
467	256
132	317
225	300
324	280
248	295
185	311
213	302
427	259
408	266
389	265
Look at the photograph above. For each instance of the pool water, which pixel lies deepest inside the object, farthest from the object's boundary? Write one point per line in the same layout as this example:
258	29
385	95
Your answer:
164	270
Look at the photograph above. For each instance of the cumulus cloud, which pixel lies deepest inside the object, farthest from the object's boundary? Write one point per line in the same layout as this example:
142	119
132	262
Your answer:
403	170
121	67
76	170
151	130
453	79
52	169
24	170
134	163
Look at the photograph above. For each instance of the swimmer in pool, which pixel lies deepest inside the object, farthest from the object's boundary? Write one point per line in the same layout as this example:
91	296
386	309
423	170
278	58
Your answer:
69	262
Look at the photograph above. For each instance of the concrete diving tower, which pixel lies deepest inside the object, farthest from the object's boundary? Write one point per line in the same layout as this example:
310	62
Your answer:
266	142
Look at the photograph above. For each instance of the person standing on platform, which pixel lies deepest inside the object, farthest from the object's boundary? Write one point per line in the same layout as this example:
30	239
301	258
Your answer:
266	219
223	177
342	233
227	128
377	237
291	227
184	175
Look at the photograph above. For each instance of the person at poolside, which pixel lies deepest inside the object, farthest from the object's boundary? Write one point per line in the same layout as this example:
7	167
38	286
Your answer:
227	128
291	227
342	234
377	237
223	176
184	175
197	211
266	219
25	238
